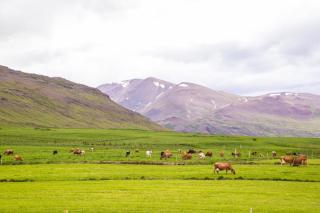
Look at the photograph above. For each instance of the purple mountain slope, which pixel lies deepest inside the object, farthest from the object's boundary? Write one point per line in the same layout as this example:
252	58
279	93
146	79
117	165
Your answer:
190	107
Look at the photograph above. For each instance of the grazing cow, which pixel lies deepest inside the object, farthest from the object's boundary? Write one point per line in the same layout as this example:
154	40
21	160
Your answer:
236	155
274	154
186	156
209	154
8	152
223	166
78	151
166	154
18	158
287	159
221	154
300	160
55	152
191	151
254	153
149	153
127	154
202	155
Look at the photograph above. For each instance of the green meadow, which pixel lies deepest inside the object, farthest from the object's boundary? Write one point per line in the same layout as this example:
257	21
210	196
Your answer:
106	181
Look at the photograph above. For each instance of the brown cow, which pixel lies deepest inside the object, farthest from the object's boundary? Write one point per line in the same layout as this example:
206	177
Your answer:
209	154
186	156
287	159
78	151
223	166
166	154
8	152
18	158
300	160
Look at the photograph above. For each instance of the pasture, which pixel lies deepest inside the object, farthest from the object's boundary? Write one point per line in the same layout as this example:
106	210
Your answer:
37	145
106	181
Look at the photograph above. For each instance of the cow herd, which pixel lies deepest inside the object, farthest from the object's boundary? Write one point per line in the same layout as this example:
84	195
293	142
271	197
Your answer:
293	159
10	152
188	155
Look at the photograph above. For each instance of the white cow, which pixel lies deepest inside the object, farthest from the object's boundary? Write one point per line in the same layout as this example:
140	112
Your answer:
202	155
149	153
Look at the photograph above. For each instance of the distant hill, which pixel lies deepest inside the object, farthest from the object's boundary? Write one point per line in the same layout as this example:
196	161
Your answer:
41	101
190	107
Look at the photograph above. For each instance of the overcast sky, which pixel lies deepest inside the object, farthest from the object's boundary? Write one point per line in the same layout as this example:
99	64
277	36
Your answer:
247	47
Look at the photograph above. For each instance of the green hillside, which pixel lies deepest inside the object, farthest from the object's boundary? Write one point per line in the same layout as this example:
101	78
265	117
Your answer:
41	101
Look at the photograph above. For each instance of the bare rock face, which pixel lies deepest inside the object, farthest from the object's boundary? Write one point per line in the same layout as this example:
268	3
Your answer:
190	107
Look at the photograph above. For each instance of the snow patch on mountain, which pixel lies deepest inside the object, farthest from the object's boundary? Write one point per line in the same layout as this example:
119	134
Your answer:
274	94
158	96
124	84
157	84
214	104
291	94
183	85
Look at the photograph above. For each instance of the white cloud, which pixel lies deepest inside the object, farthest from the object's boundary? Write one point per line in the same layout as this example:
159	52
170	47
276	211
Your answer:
246	47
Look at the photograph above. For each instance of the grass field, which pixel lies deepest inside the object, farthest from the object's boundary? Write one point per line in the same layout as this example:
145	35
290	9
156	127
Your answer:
106	181
160	196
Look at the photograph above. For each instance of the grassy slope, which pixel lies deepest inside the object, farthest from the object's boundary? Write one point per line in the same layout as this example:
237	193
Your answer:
34	100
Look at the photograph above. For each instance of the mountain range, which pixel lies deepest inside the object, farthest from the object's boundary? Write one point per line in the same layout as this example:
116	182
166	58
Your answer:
31	100
189	107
